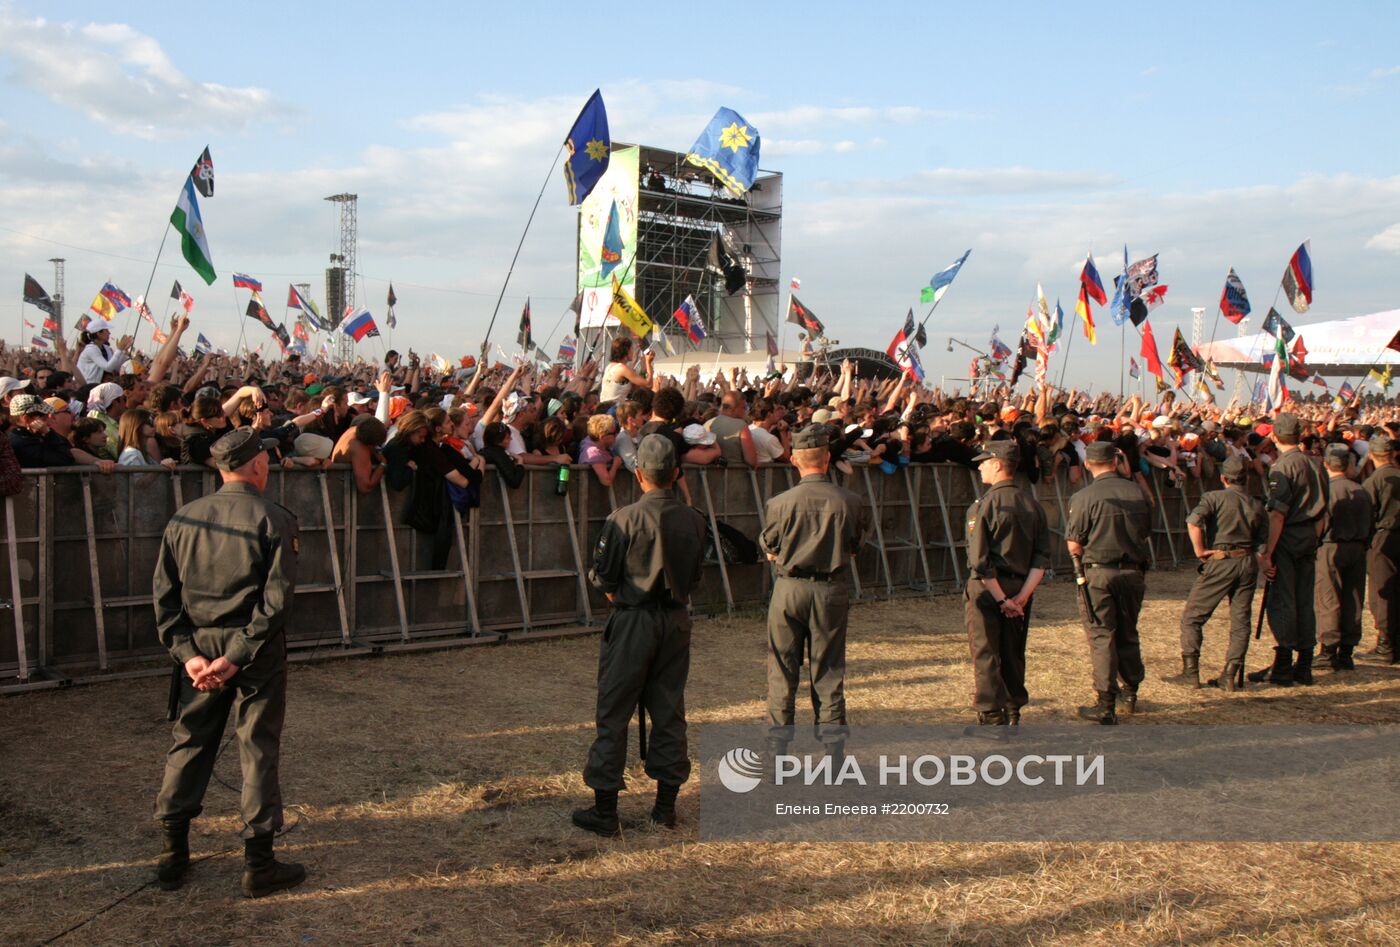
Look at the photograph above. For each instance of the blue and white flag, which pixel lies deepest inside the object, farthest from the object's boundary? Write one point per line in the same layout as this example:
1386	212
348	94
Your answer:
1122	294
941	280
728	149
203	346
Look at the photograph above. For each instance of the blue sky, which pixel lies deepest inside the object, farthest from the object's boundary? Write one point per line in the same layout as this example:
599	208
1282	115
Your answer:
1214	136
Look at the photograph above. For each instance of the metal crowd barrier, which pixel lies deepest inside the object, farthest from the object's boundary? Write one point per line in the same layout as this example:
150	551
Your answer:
80	551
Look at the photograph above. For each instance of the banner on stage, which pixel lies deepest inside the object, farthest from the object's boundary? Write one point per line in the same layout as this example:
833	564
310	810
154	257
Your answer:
617	185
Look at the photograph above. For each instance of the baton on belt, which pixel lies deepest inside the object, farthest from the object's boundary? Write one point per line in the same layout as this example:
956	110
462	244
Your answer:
642	730
1081	584
1259	625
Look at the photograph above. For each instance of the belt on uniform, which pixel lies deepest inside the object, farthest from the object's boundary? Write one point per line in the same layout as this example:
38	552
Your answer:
1120	564
647	606
813	576
1344	542
1218	554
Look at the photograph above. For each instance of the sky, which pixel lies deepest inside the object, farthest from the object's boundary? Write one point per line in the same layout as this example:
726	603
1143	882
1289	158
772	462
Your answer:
1215	135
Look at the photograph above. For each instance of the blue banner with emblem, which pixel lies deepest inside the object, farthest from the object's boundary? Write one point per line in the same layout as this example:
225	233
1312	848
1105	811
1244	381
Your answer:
728	149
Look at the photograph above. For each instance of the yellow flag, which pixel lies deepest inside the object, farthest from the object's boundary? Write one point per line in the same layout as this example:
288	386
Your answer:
627	312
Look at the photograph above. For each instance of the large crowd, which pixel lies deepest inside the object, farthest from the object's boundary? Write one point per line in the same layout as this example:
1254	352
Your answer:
103	405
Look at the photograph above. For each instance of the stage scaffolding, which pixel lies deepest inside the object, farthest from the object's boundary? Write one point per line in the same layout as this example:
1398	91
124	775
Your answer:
680	208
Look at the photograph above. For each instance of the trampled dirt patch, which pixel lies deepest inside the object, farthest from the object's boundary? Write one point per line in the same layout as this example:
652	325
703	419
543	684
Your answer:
432	795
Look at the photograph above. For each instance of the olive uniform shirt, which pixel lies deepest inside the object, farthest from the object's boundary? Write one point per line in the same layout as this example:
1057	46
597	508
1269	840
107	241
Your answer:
227	560
1349	512
1007	534
650	553
797	532
1231	519
1384	488
1110	518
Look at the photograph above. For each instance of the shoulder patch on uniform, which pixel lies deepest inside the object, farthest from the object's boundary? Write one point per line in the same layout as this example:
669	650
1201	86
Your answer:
296	545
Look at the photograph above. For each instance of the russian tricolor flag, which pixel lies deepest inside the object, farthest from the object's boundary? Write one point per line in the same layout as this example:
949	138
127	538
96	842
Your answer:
359	325
1298	279
689	319
246	282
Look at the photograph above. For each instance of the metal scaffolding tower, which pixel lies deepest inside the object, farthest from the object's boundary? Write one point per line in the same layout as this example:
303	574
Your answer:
340	276
680	209
57	296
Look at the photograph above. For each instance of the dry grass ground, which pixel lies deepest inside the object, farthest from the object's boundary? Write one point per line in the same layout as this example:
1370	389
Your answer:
432	795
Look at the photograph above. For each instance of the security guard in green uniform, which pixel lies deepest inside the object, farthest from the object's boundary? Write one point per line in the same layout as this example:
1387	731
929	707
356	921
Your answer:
223	588
810	533
1008	551
647	561
1341	561
1297	505
1228	528
1109	527
1383	558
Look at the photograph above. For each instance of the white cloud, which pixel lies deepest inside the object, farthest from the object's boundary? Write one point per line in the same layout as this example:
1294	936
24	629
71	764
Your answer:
123	79
803	117
1385	73
1388	240
935	182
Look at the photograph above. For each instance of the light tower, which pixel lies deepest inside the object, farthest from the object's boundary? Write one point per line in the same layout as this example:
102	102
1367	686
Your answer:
57	296
340	275
1198	325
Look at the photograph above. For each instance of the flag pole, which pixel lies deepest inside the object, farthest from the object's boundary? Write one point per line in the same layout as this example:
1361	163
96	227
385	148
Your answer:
1064	365
151	279
516	257
1122	354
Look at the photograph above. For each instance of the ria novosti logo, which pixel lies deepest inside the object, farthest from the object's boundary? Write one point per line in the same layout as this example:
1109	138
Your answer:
741	770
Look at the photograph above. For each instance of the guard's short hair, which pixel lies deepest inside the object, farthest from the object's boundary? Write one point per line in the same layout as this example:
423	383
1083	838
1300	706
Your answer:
810	456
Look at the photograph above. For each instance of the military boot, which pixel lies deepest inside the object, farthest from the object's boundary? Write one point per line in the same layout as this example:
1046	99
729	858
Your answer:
1302	667
174	855
992	718
1101	712
1013	716
1342	660
1190	671
663	812
773	748
1231	677
1384	651
601	817
1279	673
1327	654
264	874
1127	699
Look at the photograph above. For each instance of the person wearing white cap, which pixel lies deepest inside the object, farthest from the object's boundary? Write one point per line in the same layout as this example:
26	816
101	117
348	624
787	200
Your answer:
98	358
106	403
9	387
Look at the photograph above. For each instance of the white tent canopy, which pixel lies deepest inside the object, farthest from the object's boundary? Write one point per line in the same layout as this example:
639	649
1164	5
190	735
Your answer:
1339	347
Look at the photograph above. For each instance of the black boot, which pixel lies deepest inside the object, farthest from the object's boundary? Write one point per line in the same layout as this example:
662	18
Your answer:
836	749
601	817
1127	698
773	748
1013	716
1101	712
174	855
1383	652
992	718
1342	660
1279	673
1190	671
1327	654
663	813
263	874
1302	668
1231	677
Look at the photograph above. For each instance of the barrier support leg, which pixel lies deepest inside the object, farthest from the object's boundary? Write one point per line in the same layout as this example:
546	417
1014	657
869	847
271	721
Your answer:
515	558
393	543
879	531
335	561
97	609
16	592
468	580
719	549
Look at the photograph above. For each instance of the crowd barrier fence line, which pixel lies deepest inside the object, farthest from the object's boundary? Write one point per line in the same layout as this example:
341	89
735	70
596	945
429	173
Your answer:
80	602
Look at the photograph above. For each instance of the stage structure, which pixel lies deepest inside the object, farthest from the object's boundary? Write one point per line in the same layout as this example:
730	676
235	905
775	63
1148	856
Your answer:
668	213
340	275
1341	347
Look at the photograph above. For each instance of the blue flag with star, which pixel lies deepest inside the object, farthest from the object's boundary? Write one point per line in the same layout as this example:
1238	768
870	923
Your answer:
589	147
728	149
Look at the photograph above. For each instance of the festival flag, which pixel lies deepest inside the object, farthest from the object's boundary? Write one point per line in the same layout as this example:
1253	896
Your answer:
186	302
1149	350
1133	370
176	291
735	276
1150	299
1182	359
159	337
295	300
1299	351
1346	392
626	311
1213	373
657	335
299	331
50	326
1234	301
1142	275
589	147
1057	324
1023	346
689	318
1298	279
772	344
1318	380
104	308
611	253
115	296
1382	379
1278	389
1273	323
1089	278
390	301
30	324
257	311
1000	350
35	295
1394	343
38	343
522	338
728	149
800	315
1122	302
83	322
190	225
242	281
203	346
905	333
938	284
284	341
795	284
361	324
1081	306
568	348
202	174
921	337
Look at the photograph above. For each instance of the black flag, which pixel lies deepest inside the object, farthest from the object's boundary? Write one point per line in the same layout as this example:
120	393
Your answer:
524	336
177	291
256	311
800	315
722	263
203	173
34	295
921	337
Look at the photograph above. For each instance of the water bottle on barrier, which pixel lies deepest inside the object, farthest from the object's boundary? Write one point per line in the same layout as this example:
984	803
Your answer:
561	486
